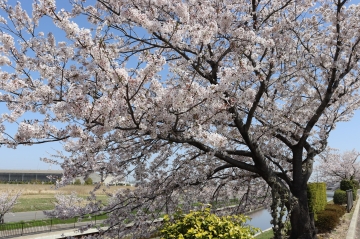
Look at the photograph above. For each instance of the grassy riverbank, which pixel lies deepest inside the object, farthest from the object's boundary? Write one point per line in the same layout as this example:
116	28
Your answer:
265	235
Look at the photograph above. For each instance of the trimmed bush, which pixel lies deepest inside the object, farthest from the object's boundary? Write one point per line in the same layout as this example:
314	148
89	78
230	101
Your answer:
339	197
77	182
354	194
356	184
326	221
316	197
347	184
204	225
338	209
88	181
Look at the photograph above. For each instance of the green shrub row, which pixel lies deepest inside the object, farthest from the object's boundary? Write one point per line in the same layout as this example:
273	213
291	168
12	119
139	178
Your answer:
340	210
349	184
316	197
88	181
329	218
326	221
339	197
356	183
77	182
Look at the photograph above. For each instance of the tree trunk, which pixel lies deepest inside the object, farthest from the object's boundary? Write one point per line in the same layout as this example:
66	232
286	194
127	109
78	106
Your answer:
302	223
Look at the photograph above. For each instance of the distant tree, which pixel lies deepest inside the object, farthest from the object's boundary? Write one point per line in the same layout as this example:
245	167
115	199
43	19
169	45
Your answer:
7	202
77	182
335	166
63	202
88	181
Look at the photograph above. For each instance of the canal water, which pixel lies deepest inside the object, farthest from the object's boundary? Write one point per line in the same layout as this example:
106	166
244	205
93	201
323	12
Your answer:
261	219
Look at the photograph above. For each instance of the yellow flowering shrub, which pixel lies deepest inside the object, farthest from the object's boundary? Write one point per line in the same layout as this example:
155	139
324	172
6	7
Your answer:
205	225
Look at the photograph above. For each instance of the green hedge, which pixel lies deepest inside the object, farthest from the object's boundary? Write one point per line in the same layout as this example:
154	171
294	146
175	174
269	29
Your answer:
356	184
339	197
349	184
346	184
329	218
316	197
88	181
327	221
77	182
338	209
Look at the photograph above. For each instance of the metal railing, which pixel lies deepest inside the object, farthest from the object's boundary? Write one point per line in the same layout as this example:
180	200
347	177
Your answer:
8	230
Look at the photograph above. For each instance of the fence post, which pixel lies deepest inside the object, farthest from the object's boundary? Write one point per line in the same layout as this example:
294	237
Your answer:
349	198
22	228
50	224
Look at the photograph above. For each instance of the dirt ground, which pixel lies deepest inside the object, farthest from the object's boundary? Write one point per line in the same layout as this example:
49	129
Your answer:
46	189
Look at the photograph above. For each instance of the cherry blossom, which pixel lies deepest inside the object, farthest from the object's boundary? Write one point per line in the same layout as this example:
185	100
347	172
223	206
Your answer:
198	101
335	166
7	201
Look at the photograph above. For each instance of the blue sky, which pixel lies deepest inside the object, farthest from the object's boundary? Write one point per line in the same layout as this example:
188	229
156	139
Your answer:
345	137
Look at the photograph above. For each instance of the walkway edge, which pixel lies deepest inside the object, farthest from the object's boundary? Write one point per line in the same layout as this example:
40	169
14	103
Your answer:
259	233
353	223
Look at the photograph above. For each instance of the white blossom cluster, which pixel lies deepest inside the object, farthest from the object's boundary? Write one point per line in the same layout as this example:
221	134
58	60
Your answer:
198	101
335	166
8	199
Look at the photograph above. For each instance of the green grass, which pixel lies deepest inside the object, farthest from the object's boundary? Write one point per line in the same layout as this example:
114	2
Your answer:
34	203
47	222
265	235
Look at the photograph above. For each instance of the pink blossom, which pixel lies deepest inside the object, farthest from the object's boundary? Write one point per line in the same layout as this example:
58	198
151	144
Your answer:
197	101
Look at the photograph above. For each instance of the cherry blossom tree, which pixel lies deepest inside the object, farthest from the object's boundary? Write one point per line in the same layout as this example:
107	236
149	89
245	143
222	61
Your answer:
7	202
197	100
335	166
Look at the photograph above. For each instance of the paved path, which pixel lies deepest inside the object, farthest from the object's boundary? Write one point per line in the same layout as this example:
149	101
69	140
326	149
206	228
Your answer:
65	232
357	229
24	216
354	228
52	235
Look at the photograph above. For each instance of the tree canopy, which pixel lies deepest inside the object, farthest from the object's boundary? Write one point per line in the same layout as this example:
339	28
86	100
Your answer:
335	166
197	100
8	199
